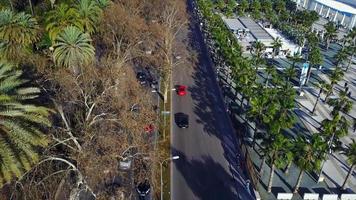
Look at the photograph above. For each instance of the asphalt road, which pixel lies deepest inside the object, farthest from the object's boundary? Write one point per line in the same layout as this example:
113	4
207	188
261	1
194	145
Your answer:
208	165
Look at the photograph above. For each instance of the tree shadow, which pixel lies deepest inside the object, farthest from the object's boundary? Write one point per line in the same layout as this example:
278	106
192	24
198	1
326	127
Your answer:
207	177
321	191
303	190
276	190
207	185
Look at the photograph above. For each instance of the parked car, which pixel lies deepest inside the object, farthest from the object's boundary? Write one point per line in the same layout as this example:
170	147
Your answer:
181	90
149	128
141	77
150	78
143	189
182	120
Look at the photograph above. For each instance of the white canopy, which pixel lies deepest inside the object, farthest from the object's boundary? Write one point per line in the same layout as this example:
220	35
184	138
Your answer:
338	6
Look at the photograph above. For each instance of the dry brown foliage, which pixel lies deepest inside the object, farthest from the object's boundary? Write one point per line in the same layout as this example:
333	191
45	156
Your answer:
95	124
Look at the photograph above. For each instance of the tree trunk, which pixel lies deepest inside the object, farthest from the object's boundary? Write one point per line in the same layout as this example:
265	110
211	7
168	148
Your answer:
266	82
348	176
271	178
327	44
317	100
30	3
11	5
297	185
52	3
350	60
288	167
69	132
254	137
261	165
165	92
329	93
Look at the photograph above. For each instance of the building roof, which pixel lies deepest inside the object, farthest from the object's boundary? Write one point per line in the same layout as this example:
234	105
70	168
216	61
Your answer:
256	30
338	6
234	24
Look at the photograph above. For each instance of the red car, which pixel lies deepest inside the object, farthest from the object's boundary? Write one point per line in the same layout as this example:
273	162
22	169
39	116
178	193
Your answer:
149	128
181	90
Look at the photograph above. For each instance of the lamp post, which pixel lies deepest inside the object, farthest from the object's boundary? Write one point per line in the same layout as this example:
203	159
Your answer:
161	166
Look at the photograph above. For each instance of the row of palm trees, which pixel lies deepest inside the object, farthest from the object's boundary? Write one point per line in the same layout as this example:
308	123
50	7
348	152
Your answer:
270	105
23	122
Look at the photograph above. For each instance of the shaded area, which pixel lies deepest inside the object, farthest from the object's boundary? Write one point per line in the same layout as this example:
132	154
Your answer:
206	178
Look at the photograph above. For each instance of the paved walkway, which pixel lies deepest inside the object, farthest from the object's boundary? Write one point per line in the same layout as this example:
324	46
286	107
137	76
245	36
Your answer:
336	168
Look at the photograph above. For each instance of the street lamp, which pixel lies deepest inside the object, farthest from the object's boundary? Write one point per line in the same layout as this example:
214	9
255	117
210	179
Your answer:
161	165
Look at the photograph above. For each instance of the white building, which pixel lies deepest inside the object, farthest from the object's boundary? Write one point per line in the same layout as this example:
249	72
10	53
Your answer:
247	31
335	11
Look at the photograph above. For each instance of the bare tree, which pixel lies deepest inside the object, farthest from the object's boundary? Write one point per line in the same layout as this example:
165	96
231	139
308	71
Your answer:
172	21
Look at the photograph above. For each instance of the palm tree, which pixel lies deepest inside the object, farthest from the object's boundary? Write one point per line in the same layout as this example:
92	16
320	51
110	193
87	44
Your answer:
270	71
290	73
258	49
350	153
231	7
276	44
323	87
274	147
262	108
103	3
267	139
21	124
352	34
243	6
267	6
60	18
256	9
73	48
315	58
351	52
310	155
312	39
335	77
285	117
296	58
335	128
277	155
220	5
290	153
11	5
17	32
280	6
244	77
330	33
89	14
341	104
340	56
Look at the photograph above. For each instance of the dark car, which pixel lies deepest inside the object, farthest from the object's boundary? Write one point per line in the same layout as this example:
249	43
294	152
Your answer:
143	189
182	120
141	77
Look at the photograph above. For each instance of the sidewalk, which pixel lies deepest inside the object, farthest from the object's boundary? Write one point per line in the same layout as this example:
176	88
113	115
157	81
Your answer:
335	169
